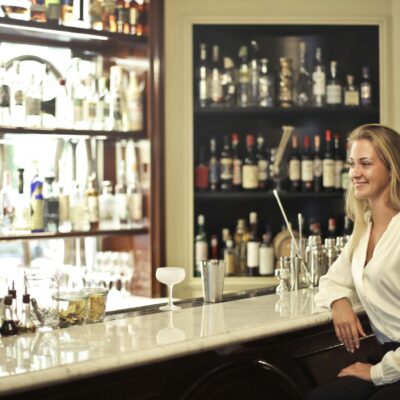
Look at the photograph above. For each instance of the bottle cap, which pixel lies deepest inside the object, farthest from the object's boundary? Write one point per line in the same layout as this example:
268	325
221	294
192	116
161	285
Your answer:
8	300
26	298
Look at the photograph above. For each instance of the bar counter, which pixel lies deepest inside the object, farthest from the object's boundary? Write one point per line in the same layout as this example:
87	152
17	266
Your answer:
129	340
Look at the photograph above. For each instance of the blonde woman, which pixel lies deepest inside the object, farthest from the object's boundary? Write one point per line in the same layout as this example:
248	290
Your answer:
370	265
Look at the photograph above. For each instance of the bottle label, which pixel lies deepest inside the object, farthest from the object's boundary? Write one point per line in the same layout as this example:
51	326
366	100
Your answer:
213	171
32	106
333	94
351	98
338	170
328	173
307	170
345	180
19	98
215	87
294	170
250	176
136	207
266	260
4	96
93	208
201	250
253	254
262	170
366	93
203	89
237	172
37	215
318	83
317	167
226	168
122	204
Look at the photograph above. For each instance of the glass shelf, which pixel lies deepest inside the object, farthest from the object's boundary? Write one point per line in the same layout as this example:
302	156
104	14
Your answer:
59	235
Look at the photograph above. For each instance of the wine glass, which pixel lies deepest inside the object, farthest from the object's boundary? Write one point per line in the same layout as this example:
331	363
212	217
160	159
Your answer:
170	276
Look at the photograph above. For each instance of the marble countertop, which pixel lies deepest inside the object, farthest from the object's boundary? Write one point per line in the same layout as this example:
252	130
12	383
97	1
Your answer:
33	360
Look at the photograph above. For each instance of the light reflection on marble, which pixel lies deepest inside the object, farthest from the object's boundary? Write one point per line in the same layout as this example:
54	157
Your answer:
59	355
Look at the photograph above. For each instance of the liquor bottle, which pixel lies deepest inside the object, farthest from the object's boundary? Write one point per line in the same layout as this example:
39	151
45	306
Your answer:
26	325
333	86
37	204
351	94
106	205
109	23
133	16
201	172
225	236
8	203
203	74
200	244
229	257
317	164
225	166
294	167
213	166
319	79
142	25
266	86
53	11
4	96
49	97
67	16
96	14
241	238
90	102
215	83
33	103
38	11
228	82
344	173
22	209
253	247
92	198
116	96
51	204
266	254
243	90
236	163
14	304
271	168
338	162
78	211
303	86
122	16
8	327
328	164
135	197
254	72
285	85
307	177
365	88
250	168
214	247
332	228
64	187
121	195
262	163
18	99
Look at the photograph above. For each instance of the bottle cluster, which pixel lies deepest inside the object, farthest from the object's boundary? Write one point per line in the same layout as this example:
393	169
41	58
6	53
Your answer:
123	16
249	251
87	98
45	204
306	169
251	81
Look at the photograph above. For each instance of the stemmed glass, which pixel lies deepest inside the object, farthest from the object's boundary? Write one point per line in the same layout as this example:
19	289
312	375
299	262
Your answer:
170	276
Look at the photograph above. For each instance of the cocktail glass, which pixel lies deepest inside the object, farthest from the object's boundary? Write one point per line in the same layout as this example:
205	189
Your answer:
170	276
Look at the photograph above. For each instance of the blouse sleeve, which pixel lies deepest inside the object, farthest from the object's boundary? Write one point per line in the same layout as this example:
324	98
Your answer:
388	370
338	282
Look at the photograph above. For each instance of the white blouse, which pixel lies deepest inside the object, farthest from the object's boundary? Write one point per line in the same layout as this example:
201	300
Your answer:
378	288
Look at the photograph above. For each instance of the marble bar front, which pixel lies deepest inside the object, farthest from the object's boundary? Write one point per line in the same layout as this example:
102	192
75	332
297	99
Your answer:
150	354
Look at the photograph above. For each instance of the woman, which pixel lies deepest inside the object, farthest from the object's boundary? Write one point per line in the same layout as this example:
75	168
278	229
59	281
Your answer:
370	264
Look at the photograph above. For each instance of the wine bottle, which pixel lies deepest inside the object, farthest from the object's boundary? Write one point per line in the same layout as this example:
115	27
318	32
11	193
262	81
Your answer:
328	170
294	166
317	164
306	166
250	169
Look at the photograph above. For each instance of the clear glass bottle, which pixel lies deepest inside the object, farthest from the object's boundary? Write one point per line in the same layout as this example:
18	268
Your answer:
250	167
318	80
121	195
200	244
243	88
107	206
33	103
135	198
51	204
303	88
4	96
18	98
215	81
92	198
253	247
49	93
266	85
8	202
254	69
37	203
229	82
285	86
351	94
333	86
365	88
26	325
225	166
203	74
8	327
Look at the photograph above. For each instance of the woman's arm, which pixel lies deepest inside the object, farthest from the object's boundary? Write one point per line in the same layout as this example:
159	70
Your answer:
388	370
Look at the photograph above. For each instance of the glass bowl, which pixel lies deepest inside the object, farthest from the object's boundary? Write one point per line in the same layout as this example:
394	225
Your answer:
72	308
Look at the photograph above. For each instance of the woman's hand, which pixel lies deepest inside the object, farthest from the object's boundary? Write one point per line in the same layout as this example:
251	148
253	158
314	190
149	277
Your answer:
359	370
346	323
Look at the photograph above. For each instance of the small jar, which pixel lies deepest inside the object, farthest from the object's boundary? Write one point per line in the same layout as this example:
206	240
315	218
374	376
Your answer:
73	307
97	300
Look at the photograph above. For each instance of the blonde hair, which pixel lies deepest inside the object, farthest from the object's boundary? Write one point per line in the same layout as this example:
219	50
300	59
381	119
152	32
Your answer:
386	142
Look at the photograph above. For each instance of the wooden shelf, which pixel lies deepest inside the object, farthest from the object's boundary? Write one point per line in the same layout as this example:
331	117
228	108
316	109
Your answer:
75	132
264	195
60	235
292	111
59	35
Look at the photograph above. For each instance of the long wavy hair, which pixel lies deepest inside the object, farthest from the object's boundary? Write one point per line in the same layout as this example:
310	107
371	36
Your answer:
386	142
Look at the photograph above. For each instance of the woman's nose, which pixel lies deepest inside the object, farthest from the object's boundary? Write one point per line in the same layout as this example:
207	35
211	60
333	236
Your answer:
354	171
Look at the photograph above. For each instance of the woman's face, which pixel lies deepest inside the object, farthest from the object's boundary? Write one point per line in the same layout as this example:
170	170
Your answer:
368	174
